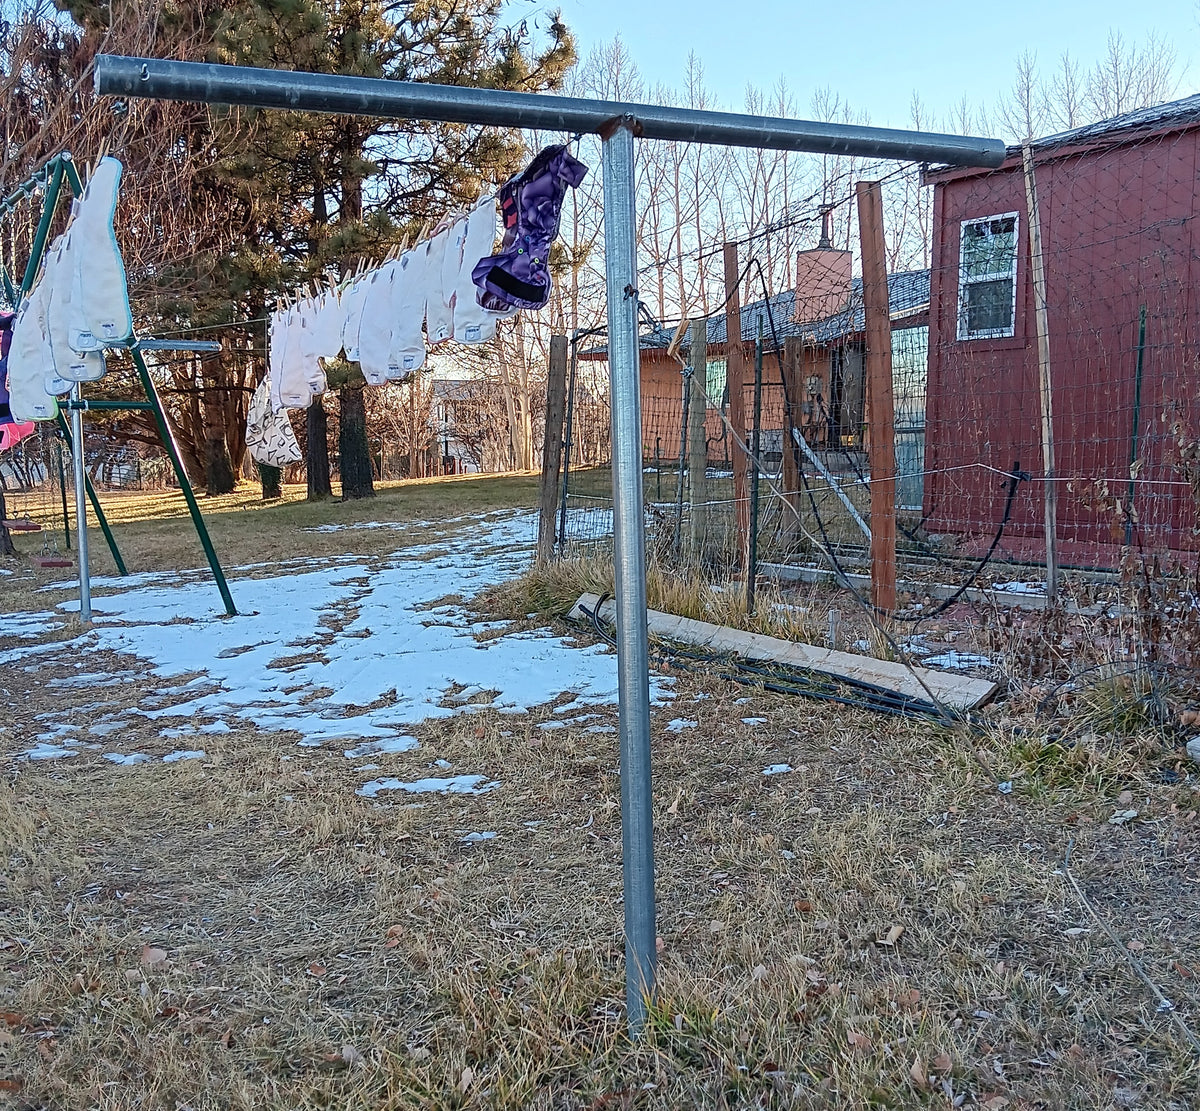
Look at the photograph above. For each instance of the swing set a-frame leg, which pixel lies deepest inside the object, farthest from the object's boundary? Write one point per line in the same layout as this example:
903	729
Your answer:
188	493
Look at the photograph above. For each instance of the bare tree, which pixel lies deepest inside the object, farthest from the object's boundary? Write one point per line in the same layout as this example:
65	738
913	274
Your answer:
1128	76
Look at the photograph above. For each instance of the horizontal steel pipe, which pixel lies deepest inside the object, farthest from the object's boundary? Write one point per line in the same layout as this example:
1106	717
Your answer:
246	86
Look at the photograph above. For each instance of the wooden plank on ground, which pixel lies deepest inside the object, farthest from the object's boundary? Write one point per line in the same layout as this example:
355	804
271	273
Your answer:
959	692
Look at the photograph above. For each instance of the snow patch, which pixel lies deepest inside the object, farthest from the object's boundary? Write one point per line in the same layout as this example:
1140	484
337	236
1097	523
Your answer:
957	661
375	748
456	785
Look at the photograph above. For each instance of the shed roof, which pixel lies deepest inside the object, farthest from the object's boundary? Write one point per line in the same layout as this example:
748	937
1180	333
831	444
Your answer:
908	294
1128	127
1173	113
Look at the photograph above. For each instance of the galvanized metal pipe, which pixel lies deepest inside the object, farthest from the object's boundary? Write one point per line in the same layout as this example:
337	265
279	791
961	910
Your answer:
247	86
633	658
85	582
65	430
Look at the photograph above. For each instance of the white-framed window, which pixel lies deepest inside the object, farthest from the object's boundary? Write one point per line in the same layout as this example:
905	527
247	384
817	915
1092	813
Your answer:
987	277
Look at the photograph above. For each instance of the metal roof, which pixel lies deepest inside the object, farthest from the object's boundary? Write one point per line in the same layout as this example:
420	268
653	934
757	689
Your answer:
908	293
1173	113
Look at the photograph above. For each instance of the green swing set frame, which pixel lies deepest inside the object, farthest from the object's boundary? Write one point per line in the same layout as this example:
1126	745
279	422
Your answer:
50	179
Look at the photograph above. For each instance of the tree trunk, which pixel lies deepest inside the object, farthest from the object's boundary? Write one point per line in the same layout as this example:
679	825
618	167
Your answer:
357	472
219	476
272	481
413	447
317	422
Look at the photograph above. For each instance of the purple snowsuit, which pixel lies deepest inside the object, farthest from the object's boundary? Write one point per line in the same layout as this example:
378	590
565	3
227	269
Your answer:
518	276
6	323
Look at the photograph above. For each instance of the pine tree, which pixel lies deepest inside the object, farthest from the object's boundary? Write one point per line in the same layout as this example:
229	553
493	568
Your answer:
255	203
358	185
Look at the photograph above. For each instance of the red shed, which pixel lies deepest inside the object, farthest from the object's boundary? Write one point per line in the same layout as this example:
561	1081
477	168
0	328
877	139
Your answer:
1121	244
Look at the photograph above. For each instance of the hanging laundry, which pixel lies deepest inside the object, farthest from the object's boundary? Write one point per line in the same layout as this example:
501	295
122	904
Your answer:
471	240
69	365
439	309
12	432
352	311
302	326
290	371
269	434
518	276
375	331
325	338
6	324
410	291
30	361
79	335
105	306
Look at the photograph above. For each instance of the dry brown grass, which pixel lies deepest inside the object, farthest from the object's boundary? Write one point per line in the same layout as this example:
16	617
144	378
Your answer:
154	532
550	590
879	928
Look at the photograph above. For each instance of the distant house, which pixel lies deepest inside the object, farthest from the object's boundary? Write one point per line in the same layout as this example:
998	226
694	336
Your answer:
813	334
1120	235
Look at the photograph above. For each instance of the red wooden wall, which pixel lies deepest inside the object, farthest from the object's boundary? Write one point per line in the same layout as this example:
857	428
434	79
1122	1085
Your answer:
1119	231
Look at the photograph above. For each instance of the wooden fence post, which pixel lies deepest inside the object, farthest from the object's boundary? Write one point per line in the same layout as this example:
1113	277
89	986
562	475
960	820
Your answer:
1037	270
881	412
698	440
792	419
735	377
556	400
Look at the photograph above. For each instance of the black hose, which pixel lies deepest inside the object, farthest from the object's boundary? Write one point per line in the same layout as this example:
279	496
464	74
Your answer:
1015	478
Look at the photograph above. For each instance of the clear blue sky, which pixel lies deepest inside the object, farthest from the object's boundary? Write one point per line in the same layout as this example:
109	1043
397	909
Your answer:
874	53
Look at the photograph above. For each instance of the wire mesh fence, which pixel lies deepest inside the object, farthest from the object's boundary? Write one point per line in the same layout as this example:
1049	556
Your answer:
1033	432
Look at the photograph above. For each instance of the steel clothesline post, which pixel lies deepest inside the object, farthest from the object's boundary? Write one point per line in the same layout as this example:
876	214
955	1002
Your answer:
77	463
637	819
97	508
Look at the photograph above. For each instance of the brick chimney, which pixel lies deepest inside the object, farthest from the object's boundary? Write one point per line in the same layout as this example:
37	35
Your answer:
822	276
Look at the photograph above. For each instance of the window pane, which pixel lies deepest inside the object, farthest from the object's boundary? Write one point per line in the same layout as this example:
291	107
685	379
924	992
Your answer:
715	383
910	359
988	248
989	306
